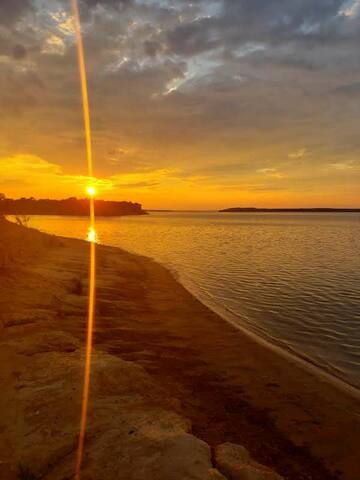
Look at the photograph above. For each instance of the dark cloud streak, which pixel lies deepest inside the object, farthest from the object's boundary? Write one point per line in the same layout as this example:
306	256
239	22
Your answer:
13	10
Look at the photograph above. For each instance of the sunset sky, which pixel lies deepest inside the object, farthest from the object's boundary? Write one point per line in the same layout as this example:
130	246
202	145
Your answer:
204	104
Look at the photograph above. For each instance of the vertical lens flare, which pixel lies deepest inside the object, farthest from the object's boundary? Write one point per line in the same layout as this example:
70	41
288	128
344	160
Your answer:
91	191
83	81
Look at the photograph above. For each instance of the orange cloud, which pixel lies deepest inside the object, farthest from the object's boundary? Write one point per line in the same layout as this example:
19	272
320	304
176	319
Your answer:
40	178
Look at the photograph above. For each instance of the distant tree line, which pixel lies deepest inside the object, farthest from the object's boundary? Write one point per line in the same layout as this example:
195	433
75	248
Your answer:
70	206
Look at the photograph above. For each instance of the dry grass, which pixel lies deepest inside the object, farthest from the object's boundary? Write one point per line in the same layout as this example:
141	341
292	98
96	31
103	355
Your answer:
18	243
25	473
76	286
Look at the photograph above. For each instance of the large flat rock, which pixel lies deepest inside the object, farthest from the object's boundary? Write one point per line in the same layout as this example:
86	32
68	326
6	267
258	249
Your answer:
235	462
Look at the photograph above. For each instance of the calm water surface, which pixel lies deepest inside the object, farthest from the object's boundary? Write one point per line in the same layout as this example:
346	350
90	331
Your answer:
291	278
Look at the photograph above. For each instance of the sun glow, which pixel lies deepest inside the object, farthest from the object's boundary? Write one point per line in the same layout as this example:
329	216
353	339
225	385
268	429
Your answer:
91	191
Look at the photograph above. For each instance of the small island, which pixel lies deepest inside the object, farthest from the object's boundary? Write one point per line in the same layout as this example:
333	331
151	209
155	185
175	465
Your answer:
67	207
288	210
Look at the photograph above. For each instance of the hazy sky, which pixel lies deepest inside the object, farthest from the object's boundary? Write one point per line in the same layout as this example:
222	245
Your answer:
202	104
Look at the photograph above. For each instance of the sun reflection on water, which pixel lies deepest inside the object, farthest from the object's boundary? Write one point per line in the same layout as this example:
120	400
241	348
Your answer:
91	235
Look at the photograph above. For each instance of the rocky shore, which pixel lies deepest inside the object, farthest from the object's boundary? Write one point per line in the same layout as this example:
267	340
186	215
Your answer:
176	393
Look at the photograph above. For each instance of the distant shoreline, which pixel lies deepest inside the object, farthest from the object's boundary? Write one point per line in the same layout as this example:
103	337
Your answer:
290	210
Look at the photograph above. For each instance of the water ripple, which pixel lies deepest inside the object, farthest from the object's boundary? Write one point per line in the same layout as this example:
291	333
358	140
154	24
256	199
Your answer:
294	279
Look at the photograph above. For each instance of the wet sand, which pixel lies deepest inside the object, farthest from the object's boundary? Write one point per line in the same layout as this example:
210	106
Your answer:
231	387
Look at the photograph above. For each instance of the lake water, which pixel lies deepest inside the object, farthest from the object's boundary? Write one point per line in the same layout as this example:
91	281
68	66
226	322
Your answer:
293	279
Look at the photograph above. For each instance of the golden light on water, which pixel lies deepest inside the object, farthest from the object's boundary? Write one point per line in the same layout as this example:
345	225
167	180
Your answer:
91	237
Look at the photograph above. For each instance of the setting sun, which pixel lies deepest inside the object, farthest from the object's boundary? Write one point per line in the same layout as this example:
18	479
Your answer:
91	191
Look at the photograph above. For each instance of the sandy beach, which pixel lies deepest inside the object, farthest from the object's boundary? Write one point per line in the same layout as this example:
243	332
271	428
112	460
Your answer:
171	380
